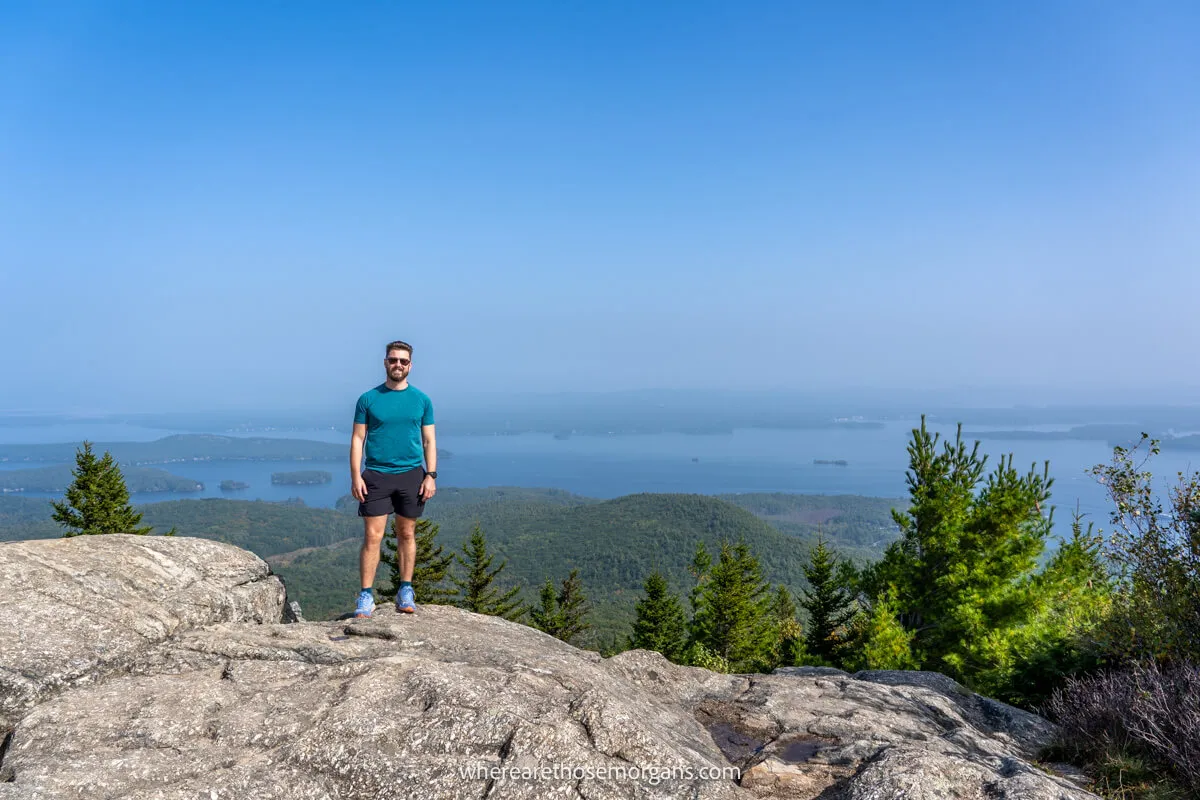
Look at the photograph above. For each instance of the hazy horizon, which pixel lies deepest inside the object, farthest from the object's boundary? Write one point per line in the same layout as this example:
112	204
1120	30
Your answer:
230	206
841	399
724	403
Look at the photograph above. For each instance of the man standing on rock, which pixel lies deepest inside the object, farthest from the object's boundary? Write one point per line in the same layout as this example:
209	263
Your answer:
395	421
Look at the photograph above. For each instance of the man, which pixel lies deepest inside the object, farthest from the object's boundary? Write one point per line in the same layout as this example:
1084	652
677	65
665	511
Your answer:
395	421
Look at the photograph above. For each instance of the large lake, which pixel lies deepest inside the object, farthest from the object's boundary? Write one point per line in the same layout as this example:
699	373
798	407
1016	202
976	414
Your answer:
748	460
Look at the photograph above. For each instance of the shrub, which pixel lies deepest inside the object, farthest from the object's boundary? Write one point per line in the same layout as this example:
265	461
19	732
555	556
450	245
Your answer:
1142	709
697	655
1156	550
878	640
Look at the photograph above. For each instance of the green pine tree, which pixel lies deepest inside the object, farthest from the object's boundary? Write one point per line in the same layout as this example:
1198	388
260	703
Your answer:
429	570
699	569
881	642
829	604
733	611
476	591
545	616
97	501
790	649
562	614
1074	607
660	622
573	609
783	607
963	568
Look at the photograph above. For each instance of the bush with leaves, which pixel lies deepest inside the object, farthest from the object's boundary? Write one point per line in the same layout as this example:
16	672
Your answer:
1143	714
697	655
1156	549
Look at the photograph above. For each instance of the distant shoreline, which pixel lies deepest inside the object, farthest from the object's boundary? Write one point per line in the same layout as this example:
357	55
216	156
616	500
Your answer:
187	448
57	478
301	478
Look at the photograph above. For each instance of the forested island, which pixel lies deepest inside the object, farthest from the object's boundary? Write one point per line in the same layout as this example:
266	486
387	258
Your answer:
309	477
837	462
58	477
188	447
185	447
233	486
1114	435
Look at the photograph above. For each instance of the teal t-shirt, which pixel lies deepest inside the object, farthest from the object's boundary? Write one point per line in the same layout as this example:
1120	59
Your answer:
394	418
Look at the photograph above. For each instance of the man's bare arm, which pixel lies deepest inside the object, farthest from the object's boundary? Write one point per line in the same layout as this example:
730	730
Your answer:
358	487
429	441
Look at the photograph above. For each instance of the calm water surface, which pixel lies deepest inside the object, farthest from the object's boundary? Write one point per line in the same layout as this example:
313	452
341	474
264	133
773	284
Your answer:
749	460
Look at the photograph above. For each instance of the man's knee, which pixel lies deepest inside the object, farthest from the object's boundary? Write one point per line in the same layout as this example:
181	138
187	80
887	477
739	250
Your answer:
373	531
405	528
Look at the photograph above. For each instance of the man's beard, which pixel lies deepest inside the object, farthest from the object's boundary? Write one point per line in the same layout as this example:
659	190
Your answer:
396	374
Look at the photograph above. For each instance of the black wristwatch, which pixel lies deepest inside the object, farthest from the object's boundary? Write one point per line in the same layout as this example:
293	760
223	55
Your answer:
431	474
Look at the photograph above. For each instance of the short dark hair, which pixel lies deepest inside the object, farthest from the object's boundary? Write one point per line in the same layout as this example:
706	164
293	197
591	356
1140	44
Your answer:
398	345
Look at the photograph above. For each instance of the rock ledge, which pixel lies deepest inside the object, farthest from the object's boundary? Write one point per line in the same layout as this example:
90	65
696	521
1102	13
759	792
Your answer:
148	667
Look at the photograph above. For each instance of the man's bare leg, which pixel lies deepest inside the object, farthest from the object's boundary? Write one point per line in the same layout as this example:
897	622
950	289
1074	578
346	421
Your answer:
368	557
406	557
406	546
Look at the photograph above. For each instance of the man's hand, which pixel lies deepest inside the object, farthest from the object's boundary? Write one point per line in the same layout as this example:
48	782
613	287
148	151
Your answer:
358	488
428	488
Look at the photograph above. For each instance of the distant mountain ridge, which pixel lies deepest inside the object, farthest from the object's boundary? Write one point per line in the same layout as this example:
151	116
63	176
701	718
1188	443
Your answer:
1113	435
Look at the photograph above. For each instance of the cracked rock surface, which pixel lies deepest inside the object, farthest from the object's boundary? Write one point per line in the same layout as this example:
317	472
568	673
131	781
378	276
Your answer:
165	701
74	610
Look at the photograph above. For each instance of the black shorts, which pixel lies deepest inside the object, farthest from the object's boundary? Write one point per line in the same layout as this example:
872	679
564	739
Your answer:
393	493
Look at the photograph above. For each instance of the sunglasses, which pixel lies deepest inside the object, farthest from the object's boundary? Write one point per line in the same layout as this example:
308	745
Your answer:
404	362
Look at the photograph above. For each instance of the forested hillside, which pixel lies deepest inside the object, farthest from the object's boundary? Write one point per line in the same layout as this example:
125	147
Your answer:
26	518
614	544
861	527
543	533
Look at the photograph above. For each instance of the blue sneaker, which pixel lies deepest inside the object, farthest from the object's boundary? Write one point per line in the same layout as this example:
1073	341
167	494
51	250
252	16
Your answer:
366	604
406	603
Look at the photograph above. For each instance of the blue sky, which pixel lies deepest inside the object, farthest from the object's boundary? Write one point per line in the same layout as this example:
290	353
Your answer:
229	204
